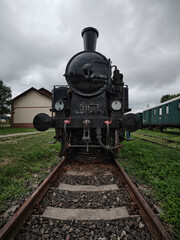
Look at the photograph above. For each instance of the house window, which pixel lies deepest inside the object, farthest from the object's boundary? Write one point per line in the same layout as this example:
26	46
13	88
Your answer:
160	111
154	112
167	109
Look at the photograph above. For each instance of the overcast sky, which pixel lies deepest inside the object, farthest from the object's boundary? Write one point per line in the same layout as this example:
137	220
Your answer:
141	37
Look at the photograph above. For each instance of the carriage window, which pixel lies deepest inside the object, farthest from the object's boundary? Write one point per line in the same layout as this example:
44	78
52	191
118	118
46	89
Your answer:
160	111
154	112
167	109
145	116
178	106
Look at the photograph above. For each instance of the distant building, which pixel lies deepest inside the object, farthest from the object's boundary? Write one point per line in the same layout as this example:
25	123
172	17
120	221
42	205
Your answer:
28	104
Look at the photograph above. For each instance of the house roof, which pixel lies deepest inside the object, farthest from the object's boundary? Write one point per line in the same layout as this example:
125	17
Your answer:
42	91
45	92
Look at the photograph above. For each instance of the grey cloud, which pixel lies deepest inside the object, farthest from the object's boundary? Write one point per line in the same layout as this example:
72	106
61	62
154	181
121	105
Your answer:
140	36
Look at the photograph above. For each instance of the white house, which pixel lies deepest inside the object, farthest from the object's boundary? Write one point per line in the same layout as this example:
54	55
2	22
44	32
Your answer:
29	103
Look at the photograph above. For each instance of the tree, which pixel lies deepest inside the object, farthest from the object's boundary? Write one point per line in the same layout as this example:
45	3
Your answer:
5	99
167	97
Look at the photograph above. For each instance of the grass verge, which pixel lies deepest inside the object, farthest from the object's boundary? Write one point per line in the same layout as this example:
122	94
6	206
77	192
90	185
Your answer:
24	162
159	168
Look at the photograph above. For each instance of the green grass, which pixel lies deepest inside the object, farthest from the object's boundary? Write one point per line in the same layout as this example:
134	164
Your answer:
175	130
9	130
159	168
24	162
169	130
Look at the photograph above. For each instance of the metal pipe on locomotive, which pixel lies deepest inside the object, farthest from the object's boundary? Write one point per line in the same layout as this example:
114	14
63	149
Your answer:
90	111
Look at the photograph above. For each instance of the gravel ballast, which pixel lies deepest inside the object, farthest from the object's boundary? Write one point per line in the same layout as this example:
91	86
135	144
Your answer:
42	228
67	199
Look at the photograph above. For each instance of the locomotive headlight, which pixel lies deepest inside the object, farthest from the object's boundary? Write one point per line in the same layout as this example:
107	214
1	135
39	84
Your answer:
59	105
116	105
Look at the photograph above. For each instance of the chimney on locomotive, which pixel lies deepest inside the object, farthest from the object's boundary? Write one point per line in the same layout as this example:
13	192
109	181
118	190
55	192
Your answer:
90	36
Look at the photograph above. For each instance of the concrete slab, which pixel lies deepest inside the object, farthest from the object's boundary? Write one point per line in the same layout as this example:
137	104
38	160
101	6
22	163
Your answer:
87	188
85	214
75	173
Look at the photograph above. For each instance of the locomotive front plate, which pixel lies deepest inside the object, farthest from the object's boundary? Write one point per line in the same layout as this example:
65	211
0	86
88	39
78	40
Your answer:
88	107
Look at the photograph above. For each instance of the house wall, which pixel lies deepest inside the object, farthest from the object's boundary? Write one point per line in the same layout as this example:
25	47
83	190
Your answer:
27	106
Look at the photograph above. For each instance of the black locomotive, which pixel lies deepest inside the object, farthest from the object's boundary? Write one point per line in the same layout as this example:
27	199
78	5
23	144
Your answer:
90	112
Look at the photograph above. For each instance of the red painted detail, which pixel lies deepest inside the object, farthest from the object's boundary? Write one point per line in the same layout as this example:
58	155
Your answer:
108	122
68	121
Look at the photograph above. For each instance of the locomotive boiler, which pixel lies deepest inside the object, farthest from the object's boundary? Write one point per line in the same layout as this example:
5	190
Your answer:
91	111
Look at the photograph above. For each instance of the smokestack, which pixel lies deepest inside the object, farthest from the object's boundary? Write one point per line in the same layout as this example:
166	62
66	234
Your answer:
90	36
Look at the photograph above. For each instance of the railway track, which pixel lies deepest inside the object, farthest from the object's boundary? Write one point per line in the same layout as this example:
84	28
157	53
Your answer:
160	141
163	139
85	197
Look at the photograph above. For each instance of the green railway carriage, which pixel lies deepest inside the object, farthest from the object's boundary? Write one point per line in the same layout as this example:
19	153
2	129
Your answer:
164	115
140	115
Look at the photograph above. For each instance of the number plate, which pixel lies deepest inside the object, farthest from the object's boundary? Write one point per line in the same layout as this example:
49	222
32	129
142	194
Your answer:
88	108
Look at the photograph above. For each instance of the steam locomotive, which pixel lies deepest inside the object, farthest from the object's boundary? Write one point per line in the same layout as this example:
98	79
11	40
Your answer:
89	112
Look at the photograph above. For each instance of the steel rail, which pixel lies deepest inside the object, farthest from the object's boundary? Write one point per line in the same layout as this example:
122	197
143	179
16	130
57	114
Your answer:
164	139
152	221
11	228
147	140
